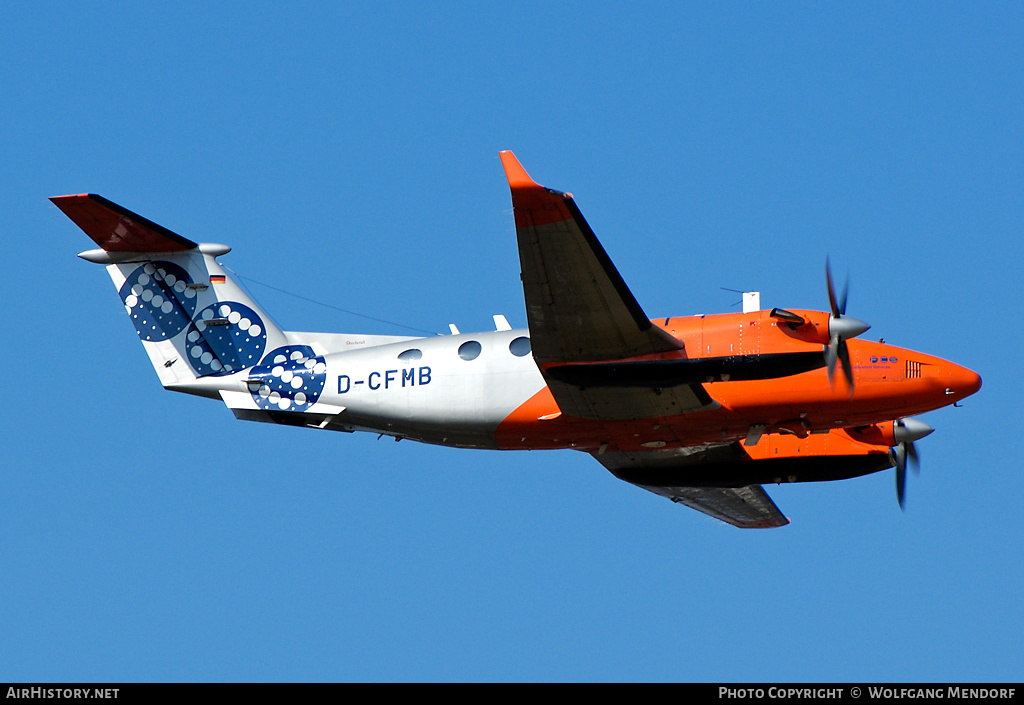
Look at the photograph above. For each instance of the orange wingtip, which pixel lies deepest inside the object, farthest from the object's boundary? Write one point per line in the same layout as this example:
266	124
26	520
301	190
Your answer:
515	173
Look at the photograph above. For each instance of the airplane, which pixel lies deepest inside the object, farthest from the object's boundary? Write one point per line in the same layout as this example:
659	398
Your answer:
702	409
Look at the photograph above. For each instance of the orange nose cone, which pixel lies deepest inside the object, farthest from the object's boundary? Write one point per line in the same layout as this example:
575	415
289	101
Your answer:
963	382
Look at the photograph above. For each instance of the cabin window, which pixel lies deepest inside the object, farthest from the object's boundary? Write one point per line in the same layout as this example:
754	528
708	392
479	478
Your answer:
469	350
410	354
520	347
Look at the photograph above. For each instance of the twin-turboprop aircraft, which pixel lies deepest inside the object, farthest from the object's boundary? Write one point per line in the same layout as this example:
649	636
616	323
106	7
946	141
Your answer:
702	410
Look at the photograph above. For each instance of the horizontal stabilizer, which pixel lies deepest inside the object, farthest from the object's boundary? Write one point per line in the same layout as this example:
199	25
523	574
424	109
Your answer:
244	400
117	229
244	407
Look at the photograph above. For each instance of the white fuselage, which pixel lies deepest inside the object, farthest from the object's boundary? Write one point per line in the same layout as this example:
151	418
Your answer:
436	396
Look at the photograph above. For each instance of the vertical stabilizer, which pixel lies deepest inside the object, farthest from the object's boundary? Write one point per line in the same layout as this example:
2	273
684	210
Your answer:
195	322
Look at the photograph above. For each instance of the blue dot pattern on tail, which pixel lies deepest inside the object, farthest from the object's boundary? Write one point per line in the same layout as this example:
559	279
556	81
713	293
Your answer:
224	338
159	300
292	377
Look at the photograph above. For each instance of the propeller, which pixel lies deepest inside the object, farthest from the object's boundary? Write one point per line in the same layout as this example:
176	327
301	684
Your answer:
840	327
905	432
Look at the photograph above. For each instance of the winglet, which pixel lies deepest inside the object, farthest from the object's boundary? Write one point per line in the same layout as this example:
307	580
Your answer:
515	173
533	204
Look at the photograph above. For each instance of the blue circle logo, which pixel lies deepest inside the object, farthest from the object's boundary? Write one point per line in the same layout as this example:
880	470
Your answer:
292	378
225	337
159	300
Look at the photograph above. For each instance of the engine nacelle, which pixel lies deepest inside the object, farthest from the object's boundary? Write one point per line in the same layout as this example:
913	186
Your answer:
890	433
811	326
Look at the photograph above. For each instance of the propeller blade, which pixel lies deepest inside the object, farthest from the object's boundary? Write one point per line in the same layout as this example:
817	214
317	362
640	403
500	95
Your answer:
831	289
831	357
906	431
838	307
840	327
844	360
901	487
901	474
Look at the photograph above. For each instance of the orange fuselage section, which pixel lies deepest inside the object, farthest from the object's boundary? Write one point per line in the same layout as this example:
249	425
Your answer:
761	371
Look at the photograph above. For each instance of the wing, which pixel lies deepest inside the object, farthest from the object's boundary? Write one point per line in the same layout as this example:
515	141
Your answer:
747	507
581	311
666	473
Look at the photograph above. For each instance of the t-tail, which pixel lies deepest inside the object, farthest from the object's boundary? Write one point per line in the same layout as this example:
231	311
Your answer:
198	327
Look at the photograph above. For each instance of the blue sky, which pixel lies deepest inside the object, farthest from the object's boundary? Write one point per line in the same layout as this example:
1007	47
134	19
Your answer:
350	155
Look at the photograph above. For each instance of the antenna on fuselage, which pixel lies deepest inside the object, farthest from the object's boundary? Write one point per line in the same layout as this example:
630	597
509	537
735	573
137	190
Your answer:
751	299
